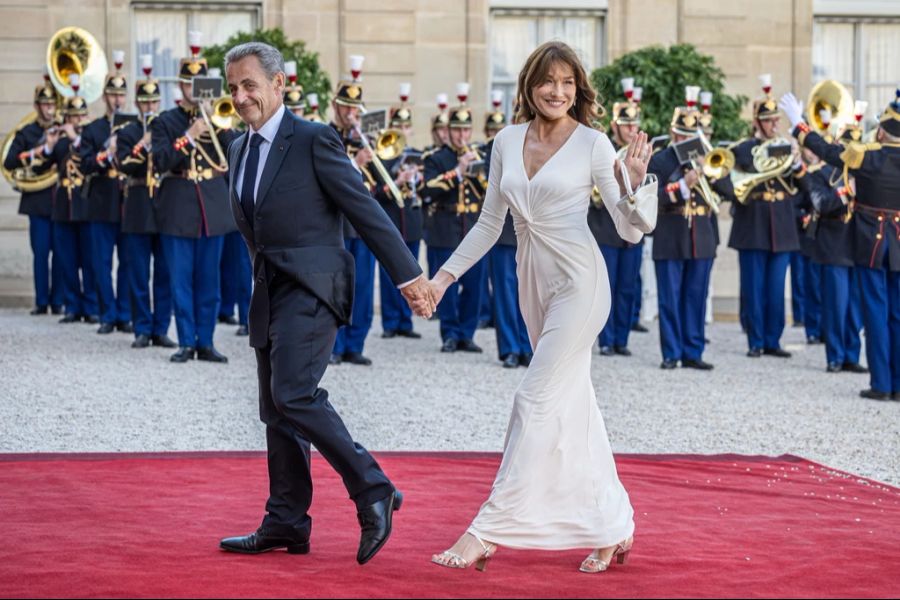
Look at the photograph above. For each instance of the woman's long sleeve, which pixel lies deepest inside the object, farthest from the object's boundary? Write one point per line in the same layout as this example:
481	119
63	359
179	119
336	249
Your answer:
603	160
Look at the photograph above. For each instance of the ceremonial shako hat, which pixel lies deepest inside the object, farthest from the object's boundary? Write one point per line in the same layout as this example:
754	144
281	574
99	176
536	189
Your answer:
686	119
45	93
461	116
401	115
706	118
193	66
115	82
851	132
350	92
628	112
890	118
312	108
147	89
75	104
496	118
766	107
441	119
293	92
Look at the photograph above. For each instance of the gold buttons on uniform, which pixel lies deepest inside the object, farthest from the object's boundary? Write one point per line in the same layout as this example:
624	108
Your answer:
877	236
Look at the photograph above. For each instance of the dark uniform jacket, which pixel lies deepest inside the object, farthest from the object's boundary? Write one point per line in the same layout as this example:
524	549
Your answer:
876	216
137	215
192	199
69	205
768	220
295	231
830	231
453	205
676	236
39	203
102	187
409	220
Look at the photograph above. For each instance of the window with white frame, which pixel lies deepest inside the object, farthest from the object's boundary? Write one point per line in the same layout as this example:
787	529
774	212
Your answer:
860	52
161	29
514	34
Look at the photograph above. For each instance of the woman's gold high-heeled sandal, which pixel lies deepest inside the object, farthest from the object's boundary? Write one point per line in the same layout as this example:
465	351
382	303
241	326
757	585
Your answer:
593	563
453	560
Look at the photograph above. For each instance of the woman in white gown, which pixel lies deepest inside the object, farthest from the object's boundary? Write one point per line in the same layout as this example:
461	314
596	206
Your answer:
557	486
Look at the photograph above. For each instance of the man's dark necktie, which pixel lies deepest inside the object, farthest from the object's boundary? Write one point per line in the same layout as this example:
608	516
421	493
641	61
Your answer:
250	169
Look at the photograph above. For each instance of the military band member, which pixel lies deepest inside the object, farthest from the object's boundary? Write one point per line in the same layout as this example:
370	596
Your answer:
103	189
351	339
684	243
192	212
513	345
875	169
25	153
440	125
623	259
396	316
455	194
764	233
142	240
71	230
312	108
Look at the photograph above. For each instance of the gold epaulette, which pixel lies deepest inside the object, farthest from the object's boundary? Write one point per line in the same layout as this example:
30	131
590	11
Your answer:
428	153
855	153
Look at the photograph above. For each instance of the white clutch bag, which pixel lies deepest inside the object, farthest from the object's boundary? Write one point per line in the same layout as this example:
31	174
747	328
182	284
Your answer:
641	206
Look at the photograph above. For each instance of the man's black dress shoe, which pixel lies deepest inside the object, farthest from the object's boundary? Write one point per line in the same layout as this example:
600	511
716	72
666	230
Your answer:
387	334
525	359
70	318
335	359
162	340
56	310
375	521
141	341
834	368
39	310
264	541
184	354
622	350
106	328
852	367
92	319
228	319
700	364
754	352
409	334
449	346
242	330
355	358
639	328
779	352
511	361
668	364
124	327
606	351
468	346
813	339
210	354
875	395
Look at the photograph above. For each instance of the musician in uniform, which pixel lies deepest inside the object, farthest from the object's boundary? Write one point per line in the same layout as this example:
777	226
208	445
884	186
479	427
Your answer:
455	194
764	231
103	189
440	125
875	169
37	204
294	98
684	241
407	215
623	259
311	113
71	230
192	212
142	239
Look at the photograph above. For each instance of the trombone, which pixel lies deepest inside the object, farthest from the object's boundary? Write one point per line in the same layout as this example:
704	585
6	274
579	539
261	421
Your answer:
390	144
222	165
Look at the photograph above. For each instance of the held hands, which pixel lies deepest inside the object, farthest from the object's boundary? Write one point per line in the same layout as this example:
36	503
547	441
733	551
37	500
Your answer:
419	296
637	157
792	108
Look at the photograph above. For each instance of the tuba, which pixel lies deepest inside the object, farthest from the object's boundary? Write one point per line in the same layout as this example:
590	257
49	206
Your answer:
767	167
71	50
831	96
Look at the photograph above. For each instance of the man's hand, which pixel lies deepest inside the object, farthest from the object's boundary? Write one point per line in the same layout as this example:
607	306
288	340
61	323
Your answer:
419	296
363	157
145	141
405	176
464	161
53	134
197	129
70	131
691	178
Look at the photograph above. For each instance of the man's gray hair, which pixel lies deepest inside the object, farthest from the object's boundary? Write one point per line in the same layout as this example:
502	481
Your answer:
270	58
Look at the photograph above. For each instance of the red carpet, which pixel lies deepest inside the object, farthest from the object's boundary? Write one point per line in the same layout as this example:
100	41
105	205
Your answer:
148	525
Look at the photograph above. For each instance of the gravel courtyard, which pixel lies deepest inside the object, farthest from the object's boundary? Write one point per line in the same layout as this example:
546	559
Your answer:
67	389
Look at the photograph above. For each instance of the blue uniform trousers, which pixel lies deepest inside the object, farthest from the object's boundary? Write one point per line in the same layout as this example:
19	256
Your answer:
115	305
48	278
682	287
880	294
352	337
72	242
762	276
638	294
141	247
799	263
236	278
623	266
812	301
459	311
194	274
487	293
395	312
841	314
512	335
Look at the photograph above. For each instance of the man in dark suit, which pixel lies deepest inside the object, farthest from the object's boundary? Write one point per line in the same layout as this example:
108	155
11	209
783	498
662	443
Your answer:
290	183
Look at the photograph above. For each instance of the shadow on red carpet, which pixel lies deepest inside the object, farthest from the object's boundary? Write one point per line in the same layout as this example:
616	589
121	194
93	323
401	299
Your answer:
706	526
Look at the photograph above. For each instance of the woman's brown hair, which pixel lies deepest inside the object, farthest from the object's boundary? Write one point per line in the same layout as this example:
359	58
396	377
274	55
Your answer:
586	108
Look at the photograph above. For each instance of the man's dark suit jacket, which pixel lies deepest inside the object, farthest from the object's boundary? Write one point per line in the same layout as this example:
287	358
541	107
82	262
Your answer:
307	183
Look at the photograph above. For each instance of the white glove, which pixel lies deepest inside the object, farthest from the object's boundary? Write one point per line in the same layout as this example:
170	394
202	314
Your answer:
792	108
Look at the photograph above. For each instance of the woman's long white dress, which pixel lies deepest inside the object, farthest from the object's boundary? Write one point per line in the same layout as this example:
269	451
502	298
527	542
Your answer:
557	487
